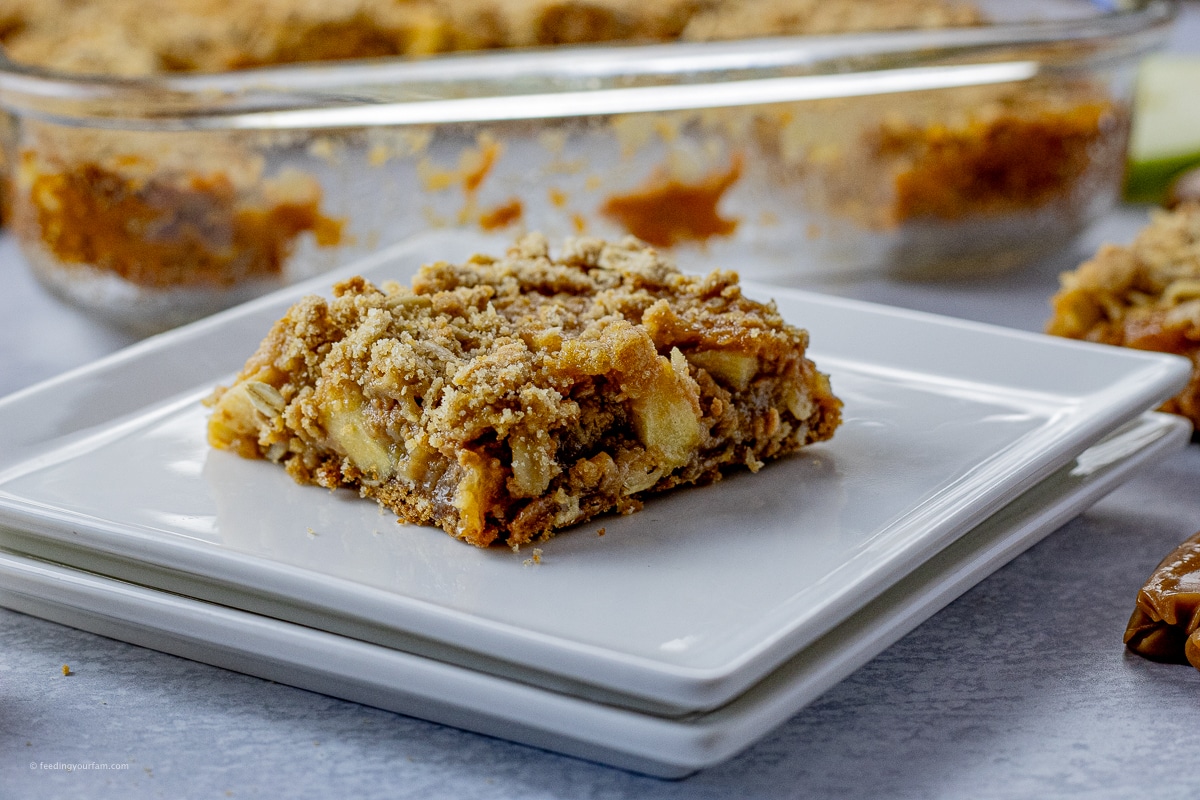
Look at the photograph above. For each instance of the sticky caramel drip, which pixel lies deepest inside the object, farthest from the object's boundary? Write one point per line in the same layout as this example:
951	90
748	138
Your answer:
667	212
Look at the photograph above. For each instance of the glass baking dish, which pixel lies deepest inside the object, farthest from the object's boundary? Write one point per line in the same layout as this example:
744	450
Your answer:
920	153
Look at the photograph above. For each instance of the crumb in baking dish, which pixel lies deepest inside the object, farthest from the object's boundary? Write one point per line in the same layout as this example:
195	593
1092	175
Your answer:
145	37
950	155
1014	158
162	228
506	398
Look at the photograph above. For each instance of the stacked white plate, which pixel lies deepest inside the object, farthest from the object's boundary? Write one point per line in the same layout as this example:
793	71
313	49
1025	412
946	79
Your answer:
665	641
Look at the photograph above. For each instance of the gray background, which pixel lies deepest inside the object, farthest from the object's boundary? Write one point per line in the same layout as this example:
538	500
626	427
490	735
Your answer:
1021	688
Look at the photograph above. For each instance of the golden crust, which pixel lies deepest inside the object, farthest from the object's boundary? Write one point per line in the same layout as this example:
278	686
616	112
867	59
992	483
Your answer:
503	399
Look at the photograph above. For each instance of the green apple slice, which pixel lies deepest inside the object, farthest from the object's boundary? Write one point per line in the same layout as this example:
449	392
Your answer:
1166	125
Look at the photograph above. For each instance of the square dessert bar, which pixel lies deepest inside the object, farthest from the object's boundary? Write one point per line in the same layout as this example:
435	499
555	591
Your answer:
506	398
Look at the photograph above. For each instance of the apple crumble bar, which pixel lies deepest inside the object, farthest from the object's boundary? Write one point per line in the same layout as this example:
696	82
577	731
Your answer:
505	398
1145	296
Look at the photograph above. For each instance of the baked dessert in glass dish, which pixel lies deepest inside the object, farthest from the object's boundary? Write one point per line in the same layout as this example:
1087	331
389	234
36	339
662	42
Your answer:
506	398
801	139
179	229
1145	295
144	37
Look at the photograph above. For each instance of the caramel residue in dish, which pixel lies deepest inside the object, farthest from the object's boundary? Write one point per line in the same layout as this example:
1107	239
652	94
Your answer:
667	211
433	178
474	165
1165	625
477	164
1006	162
502	215
170	230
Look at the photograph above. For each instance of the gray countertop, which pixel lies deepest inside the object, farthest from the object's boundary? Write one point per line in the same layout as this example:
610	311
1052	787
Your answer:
1021	688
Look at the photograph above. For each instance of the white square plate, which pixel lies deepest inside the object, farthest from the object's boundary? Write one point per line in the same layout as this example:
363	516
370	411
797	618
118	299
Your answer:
476	700
676	609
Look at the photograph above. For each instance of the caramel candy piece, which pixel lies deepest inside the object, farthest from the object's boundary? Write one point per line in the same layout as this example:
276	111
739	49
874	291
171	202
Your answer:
1165	626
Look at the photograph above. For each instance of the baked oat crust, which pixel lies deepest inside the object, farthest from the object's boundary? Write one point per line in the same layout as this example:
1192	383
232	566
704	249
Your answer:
504	399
